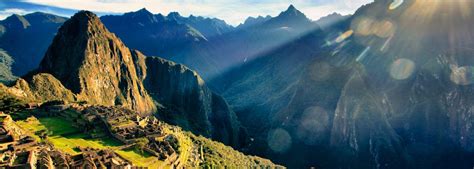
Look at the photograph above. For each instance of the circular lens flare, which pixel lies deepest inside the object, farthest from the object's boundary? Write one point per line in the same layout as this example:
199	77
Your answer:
313	125
402	69
279	140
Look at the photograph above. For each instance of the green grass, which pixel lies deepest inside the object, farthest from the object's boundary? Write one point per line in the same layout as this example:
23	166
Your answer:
140	159
70	143
66	137
58	126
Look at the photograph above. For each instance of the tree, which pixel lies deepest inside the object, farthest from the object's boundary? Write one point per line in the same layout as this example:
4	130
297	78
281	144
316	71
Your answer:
141	143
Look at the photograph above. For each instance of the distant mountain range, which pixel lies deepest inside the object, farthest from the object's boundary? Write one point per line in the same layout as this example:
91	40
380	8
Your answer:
207	45
380	89
387	87
27	37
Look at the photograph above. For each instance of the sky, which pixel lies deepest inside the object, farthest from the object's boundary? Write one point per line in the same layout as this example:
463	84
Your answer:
233	12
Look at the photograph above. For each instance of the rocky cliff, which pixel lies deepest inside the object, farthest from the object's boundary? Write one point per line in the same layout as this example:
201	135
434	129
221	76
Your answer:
195	107
361	133
95	65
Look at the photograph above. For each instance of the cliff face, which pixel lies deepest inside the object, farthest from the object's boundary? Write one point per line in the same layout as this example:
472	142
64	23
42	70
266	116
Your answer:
361	132
94	64
193	105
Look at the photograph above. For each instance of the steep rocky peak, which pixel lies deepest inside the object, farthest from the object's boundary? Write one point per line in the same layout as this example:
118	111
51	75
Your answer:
83	19
95	64
292	12
292	17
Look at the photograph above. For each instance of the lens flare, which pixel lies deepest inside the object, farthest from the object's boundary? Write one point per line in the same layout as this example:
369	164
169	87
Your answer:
320	71
384	29
363	54
279	140
313	125
402	69
395	4
367	26
462	75
344	36
363	26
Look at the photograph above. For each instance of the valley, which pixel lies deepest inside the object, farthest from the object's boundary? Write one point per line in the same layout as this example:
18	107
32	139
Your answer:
389	86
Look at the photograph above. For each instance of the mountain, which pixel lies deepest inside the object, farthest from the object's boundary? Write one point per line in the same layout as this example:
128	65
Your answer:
382	88
329	20
248	42
209	27
292	18
260	89
206	45
251	21
94	64
165	146
164	36
188	102
26	38
87	63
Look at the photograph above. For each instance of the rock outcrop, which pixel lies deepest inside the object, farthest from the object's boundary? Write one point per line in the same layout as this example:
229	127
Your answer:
44	87
95	65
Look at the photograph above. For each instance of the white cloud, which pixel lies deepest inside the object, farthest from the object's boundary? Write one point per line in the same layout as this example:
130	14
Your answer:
232	11
10	11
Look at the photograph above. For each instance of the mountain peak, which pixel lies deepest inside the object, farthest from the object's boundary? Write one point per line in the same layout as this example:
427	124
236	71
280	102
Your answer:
174	16
292	17
143	10
140	12
82	23
94	64
85	15
142	16
292	8
292	11
16	21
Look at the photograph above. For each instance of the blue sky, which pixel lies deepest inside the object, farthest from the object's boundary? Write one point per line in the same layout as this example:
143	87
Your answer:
232	11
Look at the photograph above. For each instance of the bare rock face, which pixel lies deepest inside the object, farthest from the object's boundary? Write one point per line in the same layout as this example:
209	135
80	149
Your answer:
194	106
361	130
95	65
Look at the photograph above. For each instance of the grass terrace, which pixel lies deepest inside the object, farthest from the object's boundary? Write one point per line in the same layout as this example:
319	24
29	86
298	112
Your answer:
141	159
64	136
